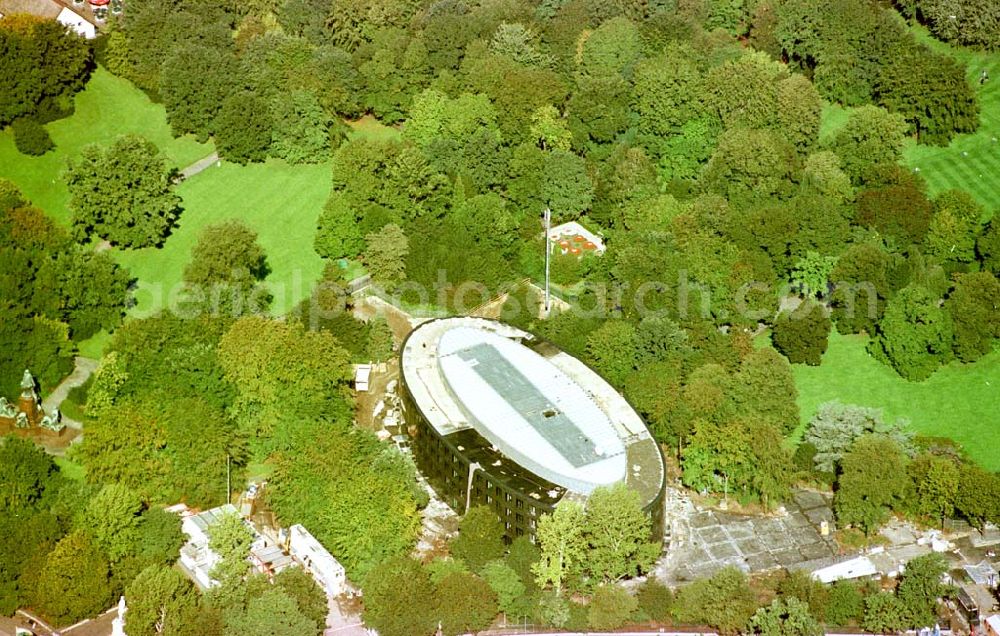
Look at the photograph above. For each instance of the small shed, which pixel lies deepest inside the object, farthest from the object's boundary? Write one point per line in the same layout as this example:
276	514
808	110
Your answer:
362	374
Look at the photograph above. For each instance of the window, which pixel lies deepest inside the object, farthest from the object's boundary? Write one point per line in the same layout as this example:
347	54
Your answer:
520	519
520	504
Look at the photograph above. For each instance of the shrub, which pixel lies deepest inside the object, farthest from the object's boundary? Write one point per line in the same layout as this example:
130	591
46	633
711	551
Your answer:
610	608
655	600
31	138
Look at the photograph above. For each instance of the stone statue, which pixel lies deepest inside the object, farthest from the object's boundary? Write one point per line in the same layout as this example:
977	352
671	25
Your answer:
28	386
118	623
21	421
6	408
52	422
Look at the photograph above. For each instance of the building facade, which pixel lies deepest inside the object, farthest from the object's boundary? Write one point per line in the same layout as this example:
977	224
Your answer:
504	419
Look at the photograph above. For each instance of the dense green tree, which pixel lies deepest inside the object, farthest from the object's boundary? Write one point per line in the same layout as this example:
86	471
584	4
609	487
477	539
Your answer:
301	128
978	494
86	290
870	137
845	604
385	255
785	617
931	91
36	343
613	48
884	613
975	23
30	137
915	334
975	314
480	538
803	334
332	478
563	546
279	366
272	613
618	532
506	585
230	538
610	607
160	536
902	211
112	518
935	485
801	586
227	264
873	480
122	193
952	232
158	599
194	83
26	473
243	128
337	233
723	601
749	165
464	603
765	387
399	599
861	288
988	247
613	349
920	588
72	582
822	173
45	64
655	600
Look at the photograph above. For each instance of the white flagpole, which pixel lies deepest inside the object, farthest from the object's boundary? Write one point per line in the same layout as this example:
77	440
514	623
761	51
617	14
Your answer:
548	251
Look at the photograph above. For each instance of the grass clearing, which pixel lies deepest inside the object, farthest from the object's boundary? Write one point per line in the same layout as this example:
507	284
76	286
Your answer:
109	106
280	201
70	469
958	401
370	128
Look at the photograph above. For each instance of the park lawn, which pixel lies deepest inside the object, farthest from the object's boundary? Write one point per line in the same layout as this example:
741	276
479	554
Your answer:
970	162
280	201
958	401
109	106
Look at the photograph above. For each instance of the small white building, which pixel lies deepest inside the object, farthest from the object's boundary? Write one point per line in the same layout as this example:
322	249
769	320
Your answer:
856	568
324	568
78	23
362	376
992	625
573	238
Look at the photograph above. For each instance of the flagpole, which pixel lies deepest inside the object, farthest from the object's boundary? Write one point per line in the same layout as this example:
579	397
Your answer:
548	251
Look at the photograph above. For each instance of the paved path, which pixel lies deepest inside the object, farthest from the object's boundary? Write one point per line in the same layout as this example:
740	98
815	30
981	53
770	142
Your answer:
199	165
83	370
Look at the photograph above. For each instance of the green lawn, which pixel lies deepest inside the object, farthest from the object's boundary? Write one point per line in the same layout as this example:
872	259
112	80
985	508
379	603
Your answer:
280	201
70	468
107	107
971	162
958	401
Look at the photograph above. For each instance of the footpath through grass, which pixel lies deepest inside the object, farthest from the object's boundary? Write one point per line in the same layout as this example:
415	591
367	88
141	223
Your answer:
959	401
109	106
280	201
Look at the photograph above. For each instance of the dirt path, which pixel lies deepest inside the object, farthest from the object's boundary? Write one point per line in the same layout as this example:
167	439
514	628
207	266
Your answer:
199	165
83	370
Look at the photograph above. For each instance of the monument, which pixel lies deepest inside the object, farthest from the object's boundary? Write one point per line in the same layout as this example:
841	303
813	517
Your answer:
27	418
